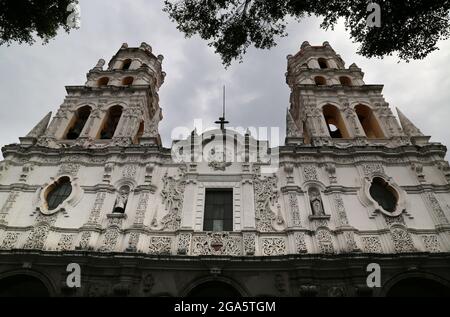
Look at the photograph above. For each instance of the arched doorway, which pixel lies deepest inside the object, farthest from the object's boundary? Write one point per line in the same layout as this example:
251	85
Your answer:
214	289
418	287
23	286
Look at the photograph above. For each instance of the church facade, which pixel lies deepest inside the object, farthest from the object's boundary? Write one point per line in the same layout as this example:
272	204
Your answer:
221	213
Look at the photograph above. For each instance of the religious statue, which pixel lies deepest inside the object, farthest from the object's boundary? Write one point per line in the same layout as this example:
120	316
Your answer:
316	203
121	200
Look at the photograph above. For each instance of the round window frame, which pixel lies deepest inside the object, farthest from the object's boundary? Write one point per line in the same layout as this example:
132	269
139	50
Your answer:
70	201
374	206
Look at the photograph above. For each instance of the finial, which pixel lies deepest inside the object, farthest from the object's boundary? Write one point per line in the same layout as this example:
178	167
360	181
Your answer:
100	64
222	120
160	58
124	46
326	44
146	47
305	44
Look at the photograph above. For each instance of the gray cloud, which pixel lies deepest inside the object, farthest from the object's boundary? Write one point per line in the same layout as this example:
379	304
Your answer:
33	78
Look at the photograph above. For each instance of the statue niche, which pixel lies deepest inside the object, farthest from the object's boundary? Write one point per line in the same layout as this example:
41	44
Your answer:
121	200
316	202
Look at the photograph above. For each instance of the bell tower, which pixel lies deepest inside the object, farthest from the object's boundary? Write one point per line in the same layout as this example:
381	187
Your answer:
332	105
117	106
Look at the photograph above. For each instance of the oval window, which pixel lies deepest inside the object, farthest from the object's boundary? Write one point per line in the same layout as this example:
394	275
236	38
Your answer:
383	194
59	192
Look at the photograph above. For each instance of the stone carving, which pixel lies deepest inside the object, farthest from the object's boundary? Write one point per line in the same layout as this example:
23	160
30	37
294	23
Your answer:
37	237
308	290
342	215
65	242
129	171
310	173
184	243
12	197
219	166
295	212
141	207
26	170
147	283
10	240
394	220
133	242
331	170
108	169
68	169
280	284
431	243
85	239
249	243
151	129
336	291
160	246
110	239
122	199
325	241
217	243
402	240
300	244
292	130
266	194
349	238
371	168
315	201
371	244
273	246
172	195
436	208
97	208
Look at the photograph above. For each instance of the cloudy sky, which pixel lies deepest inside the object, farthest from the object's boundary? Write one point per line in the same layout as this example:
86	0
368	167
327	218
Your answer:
33	77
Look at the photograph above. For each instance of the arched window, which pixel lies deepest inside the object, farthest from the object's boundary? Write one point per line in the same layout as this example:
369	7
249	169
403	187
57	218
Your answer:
127	81
320	81
111	122
383	194
322	63
103	81
126	64
78	123
335	123
345	81
369	122
58	192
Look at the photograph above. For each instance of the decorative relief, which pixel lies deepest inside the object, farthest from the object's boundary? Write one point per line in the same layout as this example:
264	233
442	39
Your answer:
436	207
402	240
65	242
371	244
300	244
97	208
184	243
371	168
249	243
431	243
273	246
133	241
342	215
12	197
141	207
10	240
172	195
110	239
349	238
394	220
68	169
310	173
266	195
37	237
217	243
85	239
129	171
325	241
160	245
295	212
